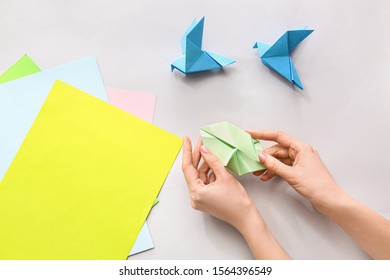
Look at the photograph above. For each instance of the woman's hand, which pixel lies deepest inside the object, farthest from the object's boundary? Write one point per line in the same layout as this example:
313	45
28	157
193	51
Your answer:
217	192
299	164
222	196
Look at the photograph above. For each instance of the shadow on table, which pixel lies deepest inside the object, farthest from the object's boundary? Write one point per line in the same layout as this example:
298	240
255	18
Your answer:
204	75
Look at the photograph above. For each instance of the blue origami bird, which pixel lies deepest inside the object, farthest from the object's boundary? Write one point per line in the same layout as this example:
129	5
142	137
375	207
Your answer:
277	57
194	59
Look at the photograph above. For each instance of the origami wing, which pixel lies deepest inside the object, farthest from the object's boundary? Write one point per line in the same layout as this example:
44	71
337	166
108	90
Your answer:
194	34
236	149
285	67
194	59
287	43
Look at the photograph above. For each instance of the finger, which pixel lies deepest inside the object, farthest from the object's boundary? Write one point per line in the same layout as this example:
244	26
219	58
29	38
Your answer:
267	176
276	166
213	162
212	177
260	172
277	136
189	171
286	161
277	151
187	153
196	154
203	172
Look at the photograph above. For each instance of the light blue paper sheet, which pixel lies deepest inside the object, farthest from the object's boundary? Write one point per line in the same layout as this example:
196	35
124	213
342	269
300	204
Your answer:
21	100
144	241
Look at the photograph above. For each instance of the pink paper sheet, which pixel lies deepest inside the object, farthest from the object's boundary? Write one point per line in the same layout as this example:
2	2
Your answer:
136	103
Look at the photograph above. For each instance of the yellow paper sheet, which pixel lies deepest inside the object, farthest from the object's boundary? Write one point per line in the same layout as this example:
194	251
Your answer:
83	181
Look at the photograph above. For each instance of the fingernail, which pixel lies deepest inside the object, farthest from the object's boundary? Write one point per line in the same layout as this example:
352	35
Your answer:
262	158
204	150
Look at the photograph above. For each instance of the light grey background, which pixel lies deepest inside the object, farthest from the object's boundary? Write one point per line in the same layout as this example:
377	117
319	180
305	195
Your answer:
343	111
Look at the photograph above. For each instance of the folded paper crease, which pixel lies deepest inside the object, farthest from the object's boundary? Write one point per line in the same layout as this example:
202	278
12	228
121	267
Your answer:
236	149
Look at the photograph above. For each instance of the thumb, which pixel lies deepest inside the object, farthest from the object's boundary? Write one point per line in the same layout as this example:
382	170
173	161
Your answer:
275	166
213	162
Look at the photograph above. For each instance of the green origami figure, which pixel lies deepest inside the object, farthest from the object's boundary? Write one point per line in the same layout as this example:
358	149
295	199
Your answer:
236	149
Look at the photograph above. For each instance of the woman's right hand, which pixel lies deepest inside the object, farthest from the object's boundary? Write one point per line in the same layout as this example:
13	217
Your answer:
299	164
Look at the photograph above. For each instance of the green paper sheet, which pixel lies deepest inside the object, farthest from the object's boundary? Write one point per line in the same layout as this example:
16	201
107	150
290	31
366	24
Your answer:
23	67
237	150
83	181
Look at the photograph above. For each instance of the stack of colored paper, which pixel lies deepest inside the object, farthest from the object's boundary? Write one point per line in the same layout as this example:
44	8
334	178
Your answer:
79	176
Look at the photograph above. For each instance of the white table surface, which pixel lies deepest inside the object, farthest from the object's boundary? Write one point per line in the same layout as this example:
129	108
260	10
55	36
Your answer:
343	111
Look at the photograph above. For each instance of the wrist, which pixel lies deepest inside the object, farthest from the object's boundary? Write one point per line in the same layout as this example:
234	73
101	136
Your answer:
259	238
252	221
328	203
